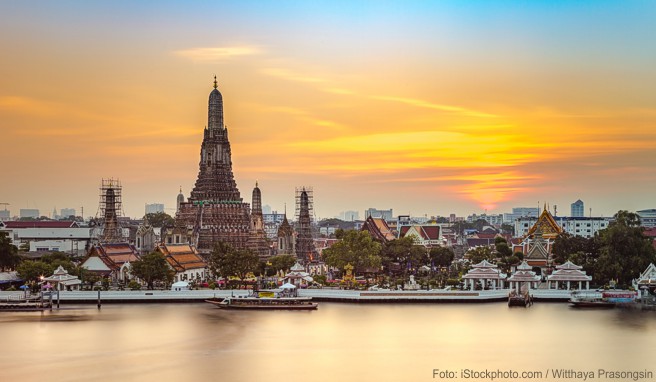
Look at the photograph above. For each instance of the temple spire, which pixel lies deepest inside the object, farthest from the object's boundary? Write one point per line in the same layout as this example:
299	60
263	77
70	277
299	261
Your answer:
216	84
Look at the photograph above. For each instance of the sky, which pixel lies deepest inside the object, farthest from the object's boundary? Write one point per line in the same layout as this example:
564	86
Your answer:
428	108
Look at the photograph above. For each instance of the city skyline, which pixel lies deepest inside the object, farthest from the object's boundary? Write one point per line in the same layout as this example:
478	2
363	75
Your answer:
418	107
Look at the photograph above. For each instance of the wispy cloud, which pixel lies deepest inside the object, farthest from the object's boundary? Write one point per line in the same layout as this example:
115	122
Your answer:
218	53
441	107
292	76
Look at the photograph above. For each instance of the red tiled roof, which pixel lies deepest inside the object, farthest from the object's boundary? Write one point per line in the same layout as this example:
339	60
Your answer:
41	224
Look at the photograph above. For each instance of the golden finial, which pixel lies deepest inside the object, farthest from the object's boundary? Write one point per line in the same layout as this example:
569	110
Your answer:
215	83
181	189
256	184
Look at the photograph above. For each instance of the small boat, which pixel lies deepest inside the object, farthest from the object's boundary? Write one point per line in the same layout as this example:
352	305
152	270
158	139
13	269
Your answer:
266	300
515	299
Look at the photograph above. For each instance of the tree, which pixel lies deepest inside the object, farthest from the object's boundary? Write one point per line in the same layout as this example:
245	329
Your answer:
441	256
356	248
501	245
9	258
152	267
226	261
566	244
282	262
625	250
478	254
160	219
34	270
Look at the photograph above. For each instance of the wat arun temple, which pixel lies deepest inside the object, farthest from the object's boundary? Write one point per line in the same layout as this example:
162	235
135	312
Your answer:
215	210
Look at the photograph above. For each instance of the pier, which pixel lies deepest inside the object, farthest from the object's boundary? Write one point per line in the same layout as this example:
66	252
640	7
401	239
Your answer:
321	295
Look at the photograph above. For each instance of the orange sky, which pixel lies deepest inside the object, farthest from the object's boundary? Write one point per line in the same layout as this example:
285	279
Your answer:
424	108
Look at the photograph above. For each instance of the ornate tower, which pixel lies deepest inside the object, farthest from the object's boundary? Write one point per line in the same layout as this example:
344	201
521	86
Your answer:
215	211
110	207
305	250
179	201
286	242
257	242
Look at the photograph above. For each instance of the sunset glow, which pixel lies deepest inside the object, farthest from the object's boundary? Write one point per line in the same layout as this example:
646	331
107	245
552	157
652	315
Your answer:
426	108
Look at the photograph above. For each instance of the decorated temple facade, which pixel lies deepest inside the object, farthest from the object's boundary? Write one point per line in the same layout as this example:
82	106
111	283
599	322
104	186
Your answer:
215	210
537	245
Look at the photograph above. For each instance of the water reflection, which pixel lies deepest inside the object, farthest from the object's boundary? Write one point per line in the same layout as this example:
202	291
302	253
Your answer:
349	342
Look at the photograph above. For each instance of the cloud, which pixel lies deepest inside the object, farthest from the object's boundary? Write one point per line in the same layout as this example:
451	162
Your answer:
219	53
429	105
292	76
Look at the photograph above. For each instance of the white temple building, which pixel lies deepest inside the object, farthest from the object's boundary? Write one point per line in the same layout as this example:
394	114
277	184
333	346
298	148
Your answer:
569	273
523	276
483	273
298	277
61	280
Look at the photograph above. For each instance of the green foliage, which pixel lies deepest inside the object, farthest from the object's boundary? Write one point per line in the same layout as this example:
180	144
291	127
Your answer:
478	254
519	255
226	261
321	279
282	262
625	251
134	285
160	219
152	267
212	285
356	248
566	244
9	258
33	270
441	256
502	248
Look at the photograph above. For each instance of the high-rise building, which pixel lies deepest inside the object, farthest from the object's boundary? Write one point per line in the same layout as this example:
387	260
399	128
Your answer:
349	216
154	208
215	210
29	213
375	213
5	215
578	210
647	217
66	212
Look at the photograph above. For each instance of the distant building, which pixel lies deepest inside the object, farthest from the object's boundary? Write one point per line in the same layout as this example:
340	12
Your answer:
647	217
585	227
349	216
5	215
375	213
272	222
29	213
520	212
154	208
578	210
66	212
496	220
48	236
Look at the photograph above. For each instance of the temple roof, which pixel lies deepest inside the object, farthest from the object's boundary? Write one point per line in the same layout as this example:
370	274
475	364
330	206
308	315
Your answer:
181	257
484	264
378	229
547	224
569	265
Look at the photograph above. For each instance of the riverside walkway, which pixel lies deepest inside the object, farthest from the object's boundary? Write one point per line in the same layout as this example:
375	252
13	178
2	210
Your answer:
326	294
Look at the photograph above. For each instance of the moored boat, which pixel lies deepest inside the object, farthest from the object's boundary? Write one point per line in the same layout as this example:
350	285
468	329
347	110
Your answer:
601	299
266	300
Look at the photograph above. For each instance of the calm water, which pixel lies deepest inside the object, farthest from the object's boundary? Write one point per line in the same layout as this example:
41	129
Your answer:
339	342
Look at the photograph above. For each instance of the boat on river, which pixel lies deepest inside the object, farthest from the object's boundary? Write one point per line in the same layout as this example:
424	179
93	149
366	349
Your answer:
266	300
601	299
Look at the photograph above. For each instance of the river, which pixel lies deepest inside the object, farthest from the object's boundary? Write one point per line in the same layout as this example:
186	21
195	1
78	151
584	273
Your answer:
338	342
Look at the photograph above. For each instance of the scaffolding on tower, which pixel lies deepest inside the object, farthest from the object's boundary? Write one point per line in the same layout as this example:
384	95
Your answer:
110	209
